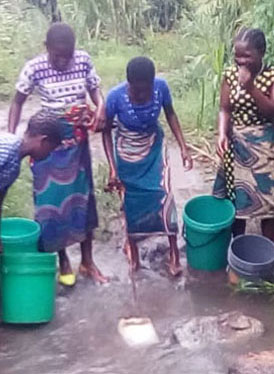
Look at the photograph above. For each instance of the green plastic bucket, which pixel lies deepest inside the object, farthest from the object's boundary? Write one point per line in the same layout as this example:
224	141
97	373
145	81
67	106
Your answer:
19	235
207	232
28	287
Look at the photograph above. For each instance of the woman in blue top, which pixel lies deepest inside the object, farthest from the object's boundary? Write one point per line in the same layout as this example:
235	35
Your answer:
138	163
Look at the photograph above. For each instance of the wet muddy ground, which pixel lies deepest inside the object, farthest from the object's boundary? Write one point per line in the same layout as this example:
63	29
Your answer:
83	337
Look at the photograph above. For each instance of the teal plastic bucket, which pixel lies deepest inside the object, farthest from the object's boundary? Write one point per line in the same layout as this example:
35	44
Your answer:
28	287
19	235
207	232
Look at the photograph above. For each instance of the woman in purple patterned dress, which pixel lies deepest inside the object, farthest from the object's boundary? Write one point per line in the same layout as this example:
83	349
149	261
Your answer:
63	186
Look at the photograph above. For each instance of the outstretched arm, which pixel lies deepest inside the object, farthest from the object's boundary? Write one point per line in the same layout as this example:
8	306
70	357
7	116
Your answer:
224	120
113	182
99	117
15	111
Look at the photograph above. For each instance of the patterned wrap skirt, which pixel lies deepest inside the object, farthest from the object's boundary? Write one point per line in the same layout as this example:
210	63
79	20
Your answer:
247	173
63	193
143	169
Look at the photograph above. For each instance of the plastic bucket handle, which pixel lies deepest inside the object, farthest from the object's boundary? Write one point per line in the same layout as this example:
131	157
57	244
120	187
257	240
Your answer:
211	240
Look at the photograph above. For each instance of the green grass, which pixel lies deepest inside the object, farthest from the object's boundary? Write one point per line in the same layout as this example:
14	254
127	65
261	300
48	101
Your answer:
18	201
108	205
110	60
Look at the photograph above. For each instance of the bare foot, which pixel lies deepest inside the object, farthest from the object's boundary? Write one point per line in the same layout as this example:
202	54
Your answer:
175	270
91	271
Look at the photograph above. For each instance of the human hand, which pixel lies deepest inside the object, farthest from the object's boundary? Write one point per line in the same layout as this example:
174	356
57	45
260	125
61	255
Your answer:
80	116
187	159
222	145
114	184
85	117
98	121
245	77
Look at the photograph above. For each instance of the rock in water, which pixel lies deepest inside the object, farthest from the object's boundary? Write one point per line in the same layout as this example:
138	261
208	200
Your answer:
225	328
254	363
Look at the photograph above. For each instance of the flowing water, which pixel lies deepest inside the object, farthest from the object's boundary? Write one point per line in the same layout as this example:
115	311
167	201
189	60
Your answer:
83	337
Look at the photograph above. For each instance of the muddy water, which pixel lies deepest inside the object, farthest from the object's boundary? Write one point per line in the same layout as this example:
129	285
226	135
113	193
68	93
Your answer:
83	337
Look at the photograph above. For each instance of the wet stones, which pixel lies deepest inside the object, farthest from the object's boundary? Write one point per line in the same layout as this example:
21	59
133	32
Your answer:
231	327
153	254
254	363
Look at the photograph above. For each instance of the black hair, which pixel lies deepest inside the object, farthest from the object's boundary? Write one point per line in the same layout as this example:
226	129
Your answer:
45	122
254	37
60	33
140	69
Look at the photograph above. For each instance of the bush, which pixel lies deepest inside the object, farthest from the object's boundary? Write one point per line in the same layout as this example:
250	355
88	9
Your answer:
22	32
263	18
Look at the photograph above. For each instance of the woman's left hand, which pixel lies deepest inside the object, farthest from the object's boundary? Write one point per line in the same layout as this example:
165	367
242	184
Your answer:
99	119
245	77
187	159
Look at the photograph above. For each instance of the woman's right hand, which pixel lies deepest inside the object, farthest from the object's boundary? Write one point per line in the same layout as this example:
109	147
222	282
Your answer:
222	145
114	184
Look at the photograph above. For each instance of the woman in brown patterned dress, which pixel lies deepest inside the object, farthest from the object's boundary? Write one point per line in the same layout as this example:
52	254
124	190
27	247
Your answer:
246	134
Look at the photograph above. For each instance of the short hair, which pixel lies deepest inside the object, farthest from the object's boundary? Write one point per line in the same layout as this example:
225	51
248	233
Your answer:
254	37
45	122
140	69
60	33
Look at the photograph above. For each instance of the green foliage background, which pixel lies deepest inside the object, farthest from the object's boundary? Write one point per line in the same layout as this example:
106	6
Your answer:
190	42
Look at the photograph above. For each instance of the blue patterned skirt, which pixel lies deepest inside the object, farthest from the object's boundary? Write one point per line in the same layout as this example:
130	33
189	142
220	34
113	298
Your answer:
143	169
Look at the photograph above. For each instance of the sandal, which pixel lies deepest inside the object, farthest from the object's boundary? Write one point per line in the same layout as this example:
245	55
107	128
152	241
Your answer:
67	279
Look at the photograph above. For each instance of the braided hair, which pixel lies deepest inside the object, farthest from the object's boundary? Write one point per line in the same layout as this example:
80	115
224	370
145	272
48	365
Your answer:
45	122
254	37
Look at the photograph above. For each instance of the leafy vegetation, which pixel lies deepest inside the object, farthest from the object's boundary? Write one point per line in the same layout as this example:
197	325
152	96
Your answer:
122	18
22	31
259	287
262	17
190	42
